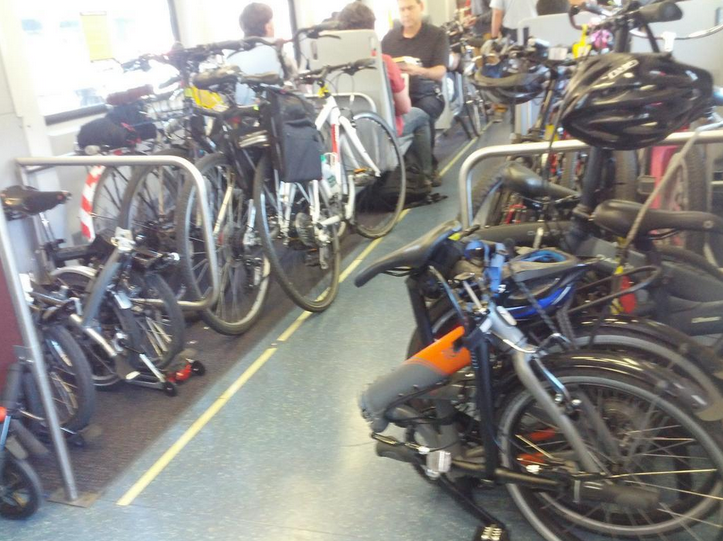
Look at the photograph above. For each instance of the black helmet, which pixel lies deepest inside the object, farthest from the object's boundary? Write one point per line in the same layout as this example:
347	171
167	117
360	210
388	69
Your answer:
513	79
628	101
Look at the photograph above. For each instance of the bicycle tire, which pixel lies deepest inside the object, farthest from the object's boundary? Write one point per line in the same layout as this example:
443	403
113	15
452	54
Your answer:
67	367
472	109
370	197
103	369
108	198
619	522
269	233
19	472
218	317
140	213
488	196
158	332
690	190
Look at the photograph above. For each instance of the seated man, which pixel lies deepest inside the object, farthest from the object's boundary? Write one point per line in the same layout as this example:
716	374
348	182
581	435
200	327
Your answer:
409	120
427	43
257	20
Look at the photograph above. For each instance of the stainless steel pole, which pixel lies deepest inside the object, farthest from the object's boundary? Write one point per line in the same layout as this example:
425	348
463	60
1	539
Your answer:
528	149
32	344
174	161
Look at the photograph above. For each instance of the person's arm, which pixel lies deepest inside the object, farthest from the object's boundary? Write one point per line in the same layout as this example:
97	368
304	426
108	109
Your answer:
435	73
400	93
498	13
496	28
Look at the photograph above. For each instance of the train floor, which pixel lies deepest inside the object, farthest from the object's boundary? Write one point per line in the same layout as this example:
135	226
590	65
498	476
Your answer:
275	449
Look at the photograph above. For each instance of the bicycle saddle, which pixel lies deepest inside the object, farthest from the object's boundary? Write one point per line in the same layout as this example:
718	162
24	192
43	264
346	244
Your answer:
219	76
269	78
21	201
526	182
618	216
413	255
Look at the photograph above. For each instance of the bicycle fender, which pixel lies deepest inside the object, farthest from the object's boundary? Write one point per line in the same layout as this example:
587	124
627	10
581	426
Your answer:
685	390
14	448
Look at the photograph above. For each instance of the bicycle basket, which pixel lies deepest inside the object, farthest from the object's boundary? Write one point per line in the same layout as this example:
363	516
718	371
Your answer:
296	144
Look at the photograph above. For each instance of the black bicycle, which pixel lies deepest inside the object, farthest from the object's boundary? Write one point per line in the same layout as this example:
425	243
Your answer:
588	440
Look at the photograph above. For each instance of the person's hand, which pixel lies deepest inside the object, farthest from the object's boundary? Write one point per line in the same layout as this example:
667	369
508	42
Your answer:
412	69
469	21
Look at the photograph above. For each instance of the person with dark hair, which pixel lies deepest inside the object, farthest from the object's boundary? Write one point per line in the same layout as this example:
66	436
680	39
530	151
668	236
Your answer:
430	46
410	121
257	20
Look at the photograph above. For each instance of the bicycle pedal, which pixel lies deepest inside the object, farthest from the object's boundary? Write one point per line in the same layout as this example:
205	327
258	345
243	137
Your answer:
491	533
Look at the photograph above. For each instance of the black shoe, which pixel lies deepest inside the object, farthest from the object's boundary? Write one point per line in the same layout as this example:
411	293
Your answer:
436	180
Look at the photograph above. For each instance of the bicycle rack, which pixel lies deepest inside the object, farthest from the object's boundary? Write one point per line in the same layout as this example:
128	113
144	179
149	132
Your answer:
36	165
530	149
32	350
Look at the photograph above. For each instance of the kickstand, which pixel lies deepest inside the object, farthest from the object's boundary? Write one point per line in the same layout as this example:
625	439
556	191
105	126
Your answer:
491	528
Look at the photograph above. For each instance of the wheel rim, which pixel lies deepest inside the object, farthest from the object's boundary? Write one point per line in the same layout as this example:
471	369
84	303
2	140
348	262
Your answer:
378	199
690	488
306	262
62	381
108	198
243	267
16	496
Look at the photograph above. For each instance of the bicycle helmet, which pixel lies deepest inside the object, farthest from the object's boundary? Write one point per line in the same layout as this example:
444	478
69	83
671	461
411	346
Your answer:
625	101
548	275
510	79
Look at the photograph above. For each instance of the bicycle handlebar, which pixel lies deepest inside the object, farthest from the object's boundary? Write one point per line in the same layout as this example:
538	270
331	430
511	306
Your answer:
350	68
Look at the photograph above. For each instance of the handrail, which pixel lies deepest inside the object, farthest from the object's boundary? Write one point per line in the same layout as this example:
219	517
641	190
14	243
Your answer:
529	149
175	161
34	353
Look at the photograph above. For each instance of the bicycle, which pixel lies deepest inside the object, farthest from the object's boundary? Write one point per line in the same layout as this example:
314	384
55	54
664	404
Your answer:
21	492
487	403
119	309
691	296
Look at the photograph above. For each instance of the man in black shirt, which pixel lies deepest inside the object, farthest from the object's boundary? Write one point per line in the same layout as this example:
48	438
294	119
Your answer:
430	45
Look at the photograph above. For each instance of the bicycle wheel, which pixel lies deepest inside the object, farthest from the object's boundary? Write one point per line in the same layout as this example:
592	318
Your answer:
379	200
20	490
473	108
71	381
653	443
108	194
304	255
689	189
156	331
104	369
243	267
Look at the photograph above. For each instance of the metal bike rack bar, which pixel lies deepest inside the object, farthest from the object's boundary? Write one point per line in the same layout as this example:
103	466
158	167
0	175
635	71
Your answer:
30	166
35	354
529	149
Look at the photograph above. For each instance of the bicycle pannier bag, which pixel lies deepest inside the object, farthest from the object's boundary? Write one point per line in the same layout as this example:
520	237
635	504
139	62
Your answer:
297	145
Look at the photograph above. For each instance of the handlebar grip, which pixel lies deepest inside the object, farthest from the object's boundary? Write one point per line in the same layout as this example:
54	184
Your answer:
660	12
13	382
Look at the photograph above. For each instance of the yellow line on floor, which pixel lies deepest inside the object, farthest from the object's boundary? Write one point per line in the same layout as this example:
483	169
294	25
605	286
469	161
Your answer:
194	429
294	327
354	264
161	464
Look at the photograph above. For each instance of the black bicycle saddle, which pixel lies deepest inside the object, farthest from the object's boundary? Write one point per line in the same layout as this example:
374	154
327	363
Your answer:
527	183
618	217
413	255
220	76
21	201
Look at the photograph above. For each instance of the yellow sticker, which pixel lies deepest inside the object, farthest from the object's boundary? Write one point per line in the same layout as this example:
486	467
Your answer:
97	35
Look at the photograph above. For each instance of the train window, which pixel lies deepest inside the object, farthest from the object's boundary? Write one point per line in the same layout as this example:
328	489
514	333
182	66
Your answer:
70	45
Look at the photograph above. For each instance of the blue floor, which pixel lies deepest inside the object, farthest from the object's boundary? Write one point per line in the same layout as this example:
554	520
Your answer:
288	457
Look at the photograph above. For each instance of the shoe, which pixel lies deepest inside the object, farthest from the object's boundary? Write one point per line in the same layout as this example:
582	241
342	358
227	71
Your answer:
436	180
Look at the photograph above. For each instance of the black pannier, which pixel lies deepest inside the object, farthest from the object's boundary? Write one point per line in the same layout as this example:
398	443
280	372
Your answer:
296	144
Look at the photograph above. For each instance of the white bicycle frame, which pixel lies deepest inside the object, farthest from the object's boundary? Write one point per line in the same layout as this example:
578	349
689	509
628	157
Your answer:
316	189
330	113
